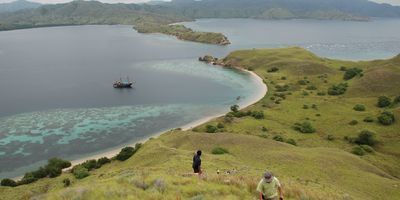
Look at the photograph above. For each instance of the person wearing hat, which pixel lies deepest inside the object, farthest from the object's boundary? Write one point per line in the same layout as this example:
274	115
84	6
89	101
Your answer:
269	187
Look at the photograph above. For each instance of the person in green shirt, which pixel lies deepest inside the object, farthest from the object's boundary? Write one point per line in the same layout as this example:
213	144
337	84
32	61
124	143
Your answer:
269	186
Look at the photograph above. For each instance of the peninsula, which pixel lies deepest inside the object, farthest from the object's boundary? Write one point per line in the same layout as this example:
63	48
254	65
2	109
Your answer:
321	119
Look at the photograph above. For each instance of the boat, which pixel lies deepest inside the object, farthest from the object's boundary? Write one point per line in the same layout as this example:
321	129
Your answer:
123	84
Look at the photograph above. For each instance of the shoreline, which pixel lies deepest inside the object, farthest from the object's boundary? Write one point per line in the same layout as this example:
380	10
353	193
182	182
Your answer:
261	86
262	91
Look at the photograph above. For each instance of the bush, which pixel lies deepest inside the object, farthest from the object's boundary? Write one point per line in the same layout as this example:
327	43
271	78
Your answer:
353	122
90	164
28	178
359	107
220	125
304	127
396	100
258	114
321	93
53	171
8	182
278	138
305	93
337	89
386	118
282	88
367	148
302	82
219	151
330	137
384	101
125	153
229	118
291	141
305	106
211	129
311	87
368	119
358	151
102	161
40	173
235	108
342	68
58	163
80	172
273	69
264	129
66	182
366	138
351	73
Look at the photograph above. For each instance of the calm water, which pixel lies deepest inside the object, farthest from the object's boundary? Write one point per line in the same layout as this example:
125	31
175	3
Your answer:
379	38
56	97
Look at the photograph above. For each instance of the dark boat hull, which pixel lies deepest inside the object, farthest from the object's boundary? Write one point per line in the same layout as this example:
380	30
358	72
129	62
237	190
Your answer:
123	85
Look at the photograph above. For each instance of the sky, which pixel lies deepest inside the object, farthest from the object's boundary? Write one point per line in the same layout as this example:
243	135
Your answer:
393	2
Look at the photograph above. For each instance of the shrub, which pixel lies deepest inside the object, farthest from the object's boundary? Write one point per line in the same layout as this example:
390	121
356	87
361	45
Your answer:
314	106
367	148
304	127
337	89
220	125
283	78
235	108
311	87
383	101
386	118
291	141
264	129
302	82
58	163
273	69
80	172
359	107
368	119
219	151
321	93
278	138
53	171
125	153
358	151
211	129
305	106
90	164
342	68
282	88
66	182
330	137
305	93
353	122
351	73
40	173
228	118
102	161
258	114
28	178
366	138
8	182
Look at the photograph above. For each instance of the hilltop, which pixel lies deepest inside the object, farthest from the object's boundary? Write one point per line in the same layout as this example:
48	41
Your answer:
325	159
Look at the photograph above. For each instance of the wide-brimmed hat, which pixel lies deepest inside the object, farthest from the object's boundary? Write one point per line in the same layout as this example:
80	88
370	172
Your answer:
268	176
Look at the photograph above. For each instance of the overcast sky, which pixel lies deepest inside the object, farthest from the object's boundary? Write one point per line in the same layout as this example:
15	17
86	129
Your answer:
394	2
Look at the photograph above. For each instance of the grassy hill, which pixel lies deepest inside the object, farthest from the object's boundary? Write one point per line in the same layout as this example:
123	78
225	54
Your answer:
318	165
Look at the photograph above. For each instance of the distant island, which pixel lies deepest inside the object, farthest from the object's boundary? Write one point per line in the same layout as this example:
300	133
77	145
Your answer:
158	16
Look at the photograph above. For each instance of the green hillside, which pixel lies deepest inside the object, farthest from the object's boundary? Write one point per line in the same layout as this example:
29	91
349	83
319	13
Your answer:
304	130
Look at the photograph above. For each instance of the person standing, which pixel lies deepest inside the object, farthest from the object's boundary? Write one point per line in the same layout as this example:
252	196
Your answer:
269	186
197	162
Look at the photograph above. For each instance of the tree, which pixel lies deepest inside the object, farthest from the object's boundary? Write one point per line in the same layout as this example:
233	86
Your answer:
235	108
8	182
351	73
366	138
80	172
386	118
337	89
359	107
125	153
384	101
211	129
304	127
